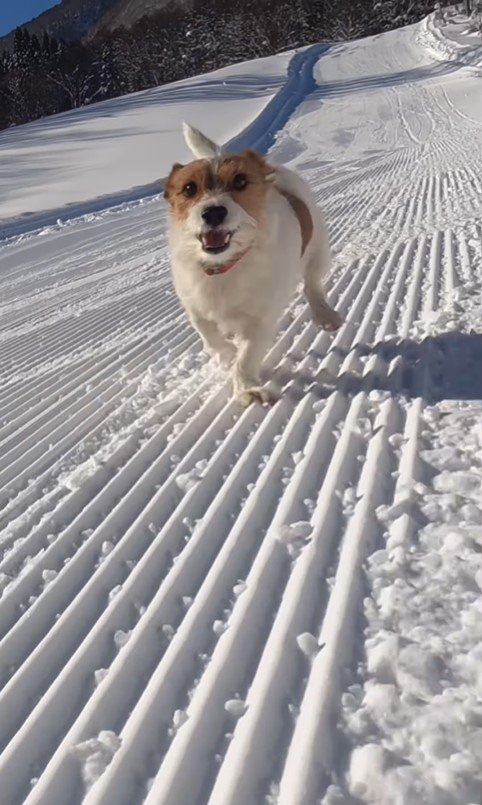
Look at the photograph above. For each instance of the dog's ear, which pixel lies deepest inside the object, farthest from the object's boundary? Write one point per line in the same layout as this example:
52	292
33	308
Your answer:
200	145
168	185
266	170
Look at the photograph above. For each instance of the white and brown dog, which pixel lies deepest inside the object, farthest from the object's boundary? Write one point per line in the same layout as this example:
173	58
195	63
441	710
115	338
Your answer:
243	233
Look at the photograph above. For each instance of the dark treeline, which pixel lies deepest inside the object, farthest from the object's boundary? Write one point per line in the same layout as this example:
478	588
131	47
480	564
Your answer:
42	76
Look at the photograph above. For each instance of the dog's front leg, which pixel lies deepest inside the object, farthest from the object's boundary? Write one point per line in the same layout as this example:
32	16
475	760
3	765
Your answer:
214	342
252	345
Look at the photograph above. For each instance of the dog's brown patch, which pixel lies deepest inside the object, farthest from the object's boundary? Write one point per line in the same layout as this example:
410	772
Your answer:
198	173
218	176
303	215
256	170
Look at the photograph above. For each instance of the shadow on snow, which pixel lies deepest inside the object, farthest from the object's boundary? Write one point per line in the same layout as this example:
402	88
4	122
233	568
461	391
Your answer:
442	367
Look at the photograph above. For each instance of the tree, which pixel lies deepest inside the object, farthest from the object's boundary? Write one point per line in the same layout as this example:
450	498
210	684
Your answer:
42	77
109	71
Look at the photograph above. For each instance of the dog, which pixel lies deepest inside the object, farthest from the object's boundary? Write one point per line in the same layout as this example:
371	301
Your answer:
242	234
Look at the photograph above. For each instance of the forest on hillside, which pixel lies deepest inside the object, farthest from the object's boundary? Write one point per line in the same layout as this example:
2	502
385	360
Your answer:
43	76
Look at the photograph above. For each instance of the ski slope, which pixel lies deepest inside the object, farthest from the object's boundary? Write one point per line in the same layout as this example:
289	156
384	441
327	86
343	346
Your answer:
116	151
202	604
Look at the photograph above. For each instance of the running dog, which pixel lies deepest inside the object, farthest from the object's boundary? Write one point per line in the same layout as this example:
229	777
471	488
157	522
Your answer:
243	233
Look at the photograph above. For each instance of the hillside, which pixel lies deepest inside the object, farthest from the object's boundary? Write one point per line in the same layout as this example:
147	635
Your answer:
42	76
70	19
75	19
120	149
126	12
272	606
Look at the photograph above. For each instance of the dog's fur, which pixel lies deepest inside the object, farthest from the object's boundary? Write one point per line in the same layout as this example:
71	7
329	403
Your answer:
235	279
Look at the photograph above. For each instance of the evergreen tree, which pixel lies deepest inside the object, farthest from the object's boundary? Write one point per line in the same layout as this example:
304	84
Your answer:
108	71
42	77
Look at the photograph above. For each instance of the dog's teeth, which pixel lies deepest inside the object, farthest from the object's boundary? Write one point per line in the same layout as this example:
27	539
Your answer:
227	237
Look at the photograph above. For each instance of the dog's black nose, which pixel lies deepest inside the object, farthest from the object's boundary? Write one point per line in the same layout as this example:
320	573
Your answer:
214	216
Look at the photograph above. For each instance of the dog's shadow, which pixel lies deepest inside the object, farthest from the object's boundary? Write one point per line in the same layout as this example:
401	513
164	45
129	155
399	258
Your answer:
442	367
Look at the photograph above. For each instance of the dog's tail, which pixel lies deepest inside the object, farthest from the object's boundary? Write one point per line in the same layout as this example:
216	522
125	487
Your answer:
200	145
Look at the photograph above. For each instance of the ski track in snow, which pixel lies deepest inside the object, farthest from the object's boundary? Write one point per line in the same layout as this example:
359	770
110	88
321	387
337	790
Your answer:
183	605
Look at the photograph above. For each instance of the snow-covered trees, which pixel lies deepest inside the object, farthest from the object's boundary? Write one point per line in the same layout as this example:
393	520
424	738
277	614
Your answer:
42	77
476	16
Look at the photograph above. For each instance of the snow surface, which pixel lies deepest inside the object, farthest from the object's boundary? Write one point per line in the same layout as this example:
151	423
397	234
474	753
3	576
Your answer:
119	150
449	35
206	605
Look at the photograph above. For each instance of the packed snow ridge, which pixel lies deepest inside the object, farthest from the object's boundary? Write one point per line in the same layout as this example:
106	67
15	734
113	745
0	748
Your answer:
200	604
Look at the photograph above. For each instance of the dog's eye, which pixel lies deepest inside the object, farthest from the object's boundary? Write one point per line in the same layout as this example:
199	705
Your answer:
240	181
190	189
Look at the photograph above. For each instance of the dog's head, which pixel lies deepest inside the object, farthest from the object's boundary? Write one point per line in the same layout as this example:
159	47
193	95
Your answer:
218	204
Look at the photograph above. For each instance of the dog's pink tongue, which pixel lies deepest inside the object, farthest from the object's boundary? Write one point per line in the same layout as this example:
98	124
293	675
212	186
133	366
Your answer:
214	239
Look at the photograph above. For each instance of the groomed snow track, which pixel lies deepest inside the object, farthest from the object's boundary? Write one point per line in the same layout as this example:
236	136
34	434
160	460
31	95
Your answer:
163	551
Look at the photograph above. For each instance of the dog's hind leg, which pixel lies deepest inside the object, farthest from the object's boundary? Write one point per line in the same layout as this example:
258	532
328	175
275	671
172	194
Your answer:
317	266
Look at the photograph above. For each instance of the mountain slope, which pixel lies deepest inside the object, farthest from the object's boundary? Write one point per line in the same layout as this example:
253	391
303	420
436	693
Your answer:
74	19
119	150
70	19
126	12
203	604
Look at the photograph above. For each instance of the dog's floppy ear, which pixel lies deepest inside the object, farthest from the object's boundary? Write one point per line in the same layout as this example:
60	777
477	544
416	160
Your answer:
200	145
168	185
267	170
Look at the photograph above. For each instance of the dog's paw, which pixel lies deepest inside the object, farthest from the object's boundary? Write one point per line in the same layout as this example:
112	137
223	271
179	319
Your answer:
256	394
328	320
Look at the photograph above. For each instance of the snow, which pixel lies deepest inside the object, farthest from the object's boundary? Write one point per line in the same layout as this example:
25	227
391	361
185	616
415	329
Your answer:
121	638
235	707
219	627
423	668
100	674
119	150
49	575
308	644
295	531
96	754
287	602
451	37
239	588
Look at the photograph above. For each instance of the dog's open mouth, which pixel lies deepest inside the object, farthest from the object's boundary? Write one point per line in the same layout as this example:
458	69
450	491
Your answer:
215	241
